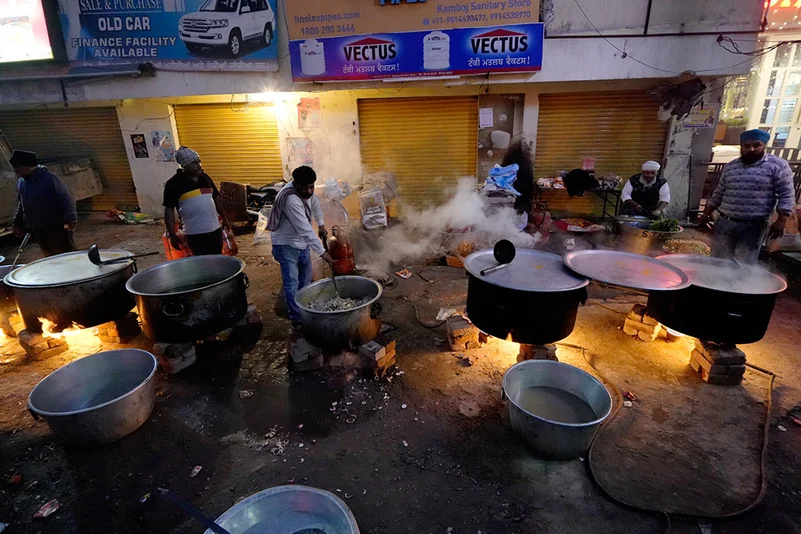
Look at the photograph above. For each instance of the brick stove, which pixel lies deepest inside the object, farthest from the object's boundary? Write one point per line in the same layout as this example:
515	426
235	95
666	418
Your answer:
375	356
463	335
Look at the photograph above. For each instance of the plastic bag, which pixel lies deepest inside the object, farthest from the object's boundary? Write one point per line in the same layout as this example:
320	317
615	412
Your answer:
172	252
336	190
262	235
230	246
502	179
373	210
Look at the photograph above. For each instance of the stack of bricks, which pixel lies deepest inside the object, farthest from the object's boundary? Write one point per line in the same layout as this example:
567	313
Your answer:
174	357
252	319
537	352
462	335
378	355
40	347
641	325
718	364
120	331
303	356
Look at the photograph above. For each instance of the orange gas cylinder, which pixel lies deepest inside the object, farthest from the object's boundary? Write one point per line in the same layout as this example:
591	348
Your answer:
341	252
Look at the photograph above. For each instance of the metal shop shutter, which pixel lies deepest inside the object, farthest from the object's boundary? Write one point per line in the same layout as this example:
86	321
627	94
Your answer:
619	129
428	143
236	144
75	132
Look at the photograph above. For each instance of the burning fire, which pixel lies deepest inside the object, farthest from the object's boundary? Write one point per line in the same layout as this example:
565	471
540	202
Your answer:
507	346
72	333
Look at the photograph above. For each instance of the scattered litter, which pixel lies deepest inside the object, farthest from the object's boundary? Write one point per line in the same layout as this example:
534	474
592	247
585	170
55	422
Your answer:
705	528
144	498
339	490
399	373
195	471
300	445
629	395
782	428
570	244
450	529
279	448
405	444
348	496
404	273
581	458
300	427
245	393
47	509
444	313
403	406
627	404
439	341
14	480
351	419
291	480
3	526
334	403
364	492
302	460
797	421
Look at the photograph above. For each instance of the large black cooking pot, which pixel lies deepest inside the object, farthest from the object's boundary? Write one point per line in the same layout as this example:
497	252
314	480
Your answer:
68	288
191	298
532	301
725	303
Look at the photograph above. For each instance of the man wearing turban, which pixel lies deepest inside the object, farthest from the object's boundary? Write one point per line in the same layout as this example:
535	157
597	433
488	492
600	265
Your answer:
192	192
750	188
646	193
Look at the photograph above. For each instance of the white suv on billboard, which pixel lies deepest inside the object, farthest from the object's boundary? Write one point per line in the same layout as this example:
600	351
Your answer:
227	24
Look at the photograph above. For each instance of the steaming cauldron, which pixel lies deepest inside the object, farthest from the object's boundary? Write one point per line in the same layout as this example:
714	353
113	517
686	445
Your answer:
725	303
532	301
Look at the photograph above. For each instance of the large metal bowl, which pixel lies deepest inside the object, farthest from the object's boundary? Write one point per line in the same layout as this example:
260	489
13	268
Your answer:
342	329
97	399
635	235
289	509
547	438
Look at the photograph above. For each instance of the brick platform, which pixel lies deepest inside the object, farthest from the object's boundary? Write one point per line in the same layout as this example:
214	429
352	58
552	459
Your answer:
537	352
375	356
641	325
122	330
174	357
718	364
39	347
462	335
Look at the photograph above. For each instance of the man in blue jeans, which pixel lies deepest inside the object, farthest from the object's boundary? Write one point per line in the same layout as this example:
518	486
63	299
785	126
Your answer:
293	236
750	188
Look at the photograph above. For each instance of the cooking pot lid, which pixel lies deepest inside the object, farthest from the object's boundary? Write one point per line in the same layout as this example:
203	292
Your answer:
531	270
627	270
725	275
65	269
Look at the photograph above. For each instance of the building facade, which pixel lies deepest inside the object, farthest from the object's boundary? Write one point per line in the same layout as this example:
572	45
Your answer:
605	73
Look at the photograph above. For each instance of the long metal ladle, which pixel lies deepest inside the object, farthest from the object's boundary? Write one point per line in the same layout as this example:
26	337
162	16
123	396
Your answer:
94	257
504	252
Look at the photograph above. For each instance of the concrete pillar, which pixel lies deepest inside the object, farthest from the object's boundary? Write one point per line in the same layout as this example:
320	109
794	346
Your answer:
677	167
149	174
531	115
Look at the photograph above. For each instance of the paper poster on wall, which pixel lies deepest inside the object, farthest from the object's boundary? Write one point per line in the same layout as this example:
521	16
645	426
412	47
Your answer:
203	35
309	114
701	116
139	146
485	118
300	151
163	145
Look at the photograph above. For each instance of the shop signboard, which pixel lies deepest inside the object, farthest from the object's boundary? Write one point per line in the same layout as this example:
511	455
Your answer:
203	35
374	39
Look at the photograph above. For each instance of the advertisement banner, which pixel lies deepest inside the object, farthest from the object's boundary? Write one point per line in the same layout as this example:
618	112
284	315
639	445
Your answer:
701	116
316	19
418	54
204	35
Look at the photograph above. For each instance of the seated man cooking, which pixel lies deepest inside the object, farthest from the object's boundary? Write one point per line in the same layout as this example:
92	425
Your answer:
293	236
646	193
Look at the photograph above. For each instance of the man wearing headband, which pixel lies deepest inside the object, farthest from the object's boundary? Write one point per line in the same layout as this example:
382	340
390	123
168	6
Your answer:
750	188
644	193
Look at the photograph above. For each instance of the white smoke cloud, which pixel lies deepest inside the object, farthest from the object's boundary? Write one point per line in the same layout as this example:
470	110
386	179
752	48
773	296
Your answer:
423	234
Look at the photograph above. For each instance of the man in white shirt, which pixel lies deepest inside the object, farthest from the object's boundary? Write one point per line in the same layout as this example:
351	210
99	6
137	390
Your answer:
645	193
293	236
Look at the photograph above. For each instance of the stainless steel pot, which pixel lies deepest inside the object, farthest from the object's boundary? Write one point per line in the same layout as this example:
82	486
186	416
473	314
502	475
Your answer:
549	438
338	330
636	237
68	289
534	300
190	298
97	399
725	303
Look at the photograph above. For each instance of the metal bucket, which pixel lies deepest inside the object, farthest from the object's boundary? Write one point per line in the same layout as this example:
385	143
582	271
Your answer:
97	399
289	509
336	330
547	438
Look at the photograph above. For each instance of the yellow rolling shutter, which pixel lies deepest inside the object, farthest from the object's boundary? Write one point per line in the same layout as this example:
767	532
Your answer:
236	144
619	129
428	143
75	132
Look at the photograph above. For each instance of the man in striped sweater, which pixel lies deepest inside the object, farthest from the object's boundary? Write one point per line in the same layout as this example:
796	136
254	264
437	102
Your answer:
750	188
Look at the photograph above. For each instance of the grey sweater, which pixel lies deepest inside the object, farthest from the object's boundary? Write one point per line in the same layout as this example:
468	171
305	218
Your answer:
753	191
